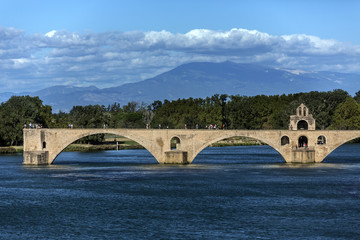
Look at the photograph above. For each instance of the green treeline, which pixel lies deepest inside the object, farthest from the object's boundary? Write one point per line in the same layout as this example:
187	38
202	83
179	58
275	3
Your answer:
332	110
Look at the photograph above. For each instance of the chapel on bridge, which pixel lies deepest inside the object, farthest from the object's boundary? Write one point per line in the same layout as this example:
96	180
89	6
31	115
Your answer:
302	120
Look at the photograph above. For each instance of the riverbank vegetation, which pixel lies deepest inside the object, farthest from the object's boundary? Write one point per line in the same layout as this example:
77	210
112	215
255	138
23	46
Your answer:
332	110
237	141
11	150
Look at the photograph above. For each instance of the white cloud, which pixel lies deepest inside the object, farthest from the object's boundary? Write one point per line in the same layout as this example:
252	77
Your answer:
20	62
112	58
50	34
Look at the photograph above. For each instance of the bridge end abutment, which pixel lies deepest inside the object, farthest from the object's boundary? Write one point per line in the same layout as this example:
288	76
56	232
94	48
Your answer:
35	152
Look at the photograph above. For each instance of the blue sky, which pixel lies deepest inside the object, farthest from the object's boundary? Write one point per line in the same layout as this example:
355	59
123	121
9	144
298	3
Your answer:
106	43
326	19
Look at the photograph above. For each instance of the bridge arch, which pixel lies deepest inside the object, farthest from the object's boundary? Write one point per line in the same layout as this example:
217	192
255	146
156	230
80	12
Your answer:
74	137
217	139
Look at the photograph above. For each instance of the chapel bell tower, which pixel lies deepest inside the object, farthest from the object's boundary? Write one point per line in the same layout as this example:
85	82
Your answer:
302	120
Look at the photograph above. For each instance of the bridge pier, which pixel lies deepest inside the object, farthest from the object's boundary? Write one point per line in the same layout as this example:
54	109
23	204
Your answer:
303	156
36	158
176	157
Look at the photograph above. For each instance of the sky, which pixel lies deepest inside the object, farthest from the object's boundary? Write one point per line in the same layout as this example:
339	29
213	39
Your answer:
106	43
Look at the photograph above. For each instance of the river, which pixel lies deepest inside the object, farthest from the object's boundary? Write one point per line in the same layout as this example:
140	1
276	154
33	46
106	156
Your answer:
227	193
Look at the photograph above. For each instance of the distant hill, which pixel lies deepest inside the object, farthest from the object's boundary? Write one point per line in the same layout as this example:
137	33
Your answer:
5	96
201	80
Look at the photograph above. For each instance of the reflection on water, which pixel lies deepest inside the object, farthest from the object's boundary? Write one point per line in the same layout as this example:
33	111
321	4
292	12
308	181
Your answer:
231	193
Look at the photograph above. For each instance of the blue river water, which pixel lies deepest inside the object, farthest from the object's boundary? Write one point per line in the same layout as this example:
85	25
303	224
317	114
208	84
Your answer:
227	193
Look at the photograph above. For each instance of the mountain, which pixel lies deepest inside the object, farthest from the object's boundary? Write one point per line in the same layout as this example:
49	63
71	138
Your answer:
65	97
5	96
206	79
201	80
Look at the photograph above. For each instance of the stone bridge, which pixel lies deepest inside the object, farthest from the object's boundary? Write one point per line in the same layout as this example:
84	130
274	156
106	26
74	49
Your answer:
42	146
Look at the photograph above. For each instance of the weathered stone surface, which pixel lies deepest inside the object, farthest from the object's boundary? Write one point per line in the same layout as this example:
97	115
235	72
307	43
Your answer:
36	157
46	144
176	157
303	156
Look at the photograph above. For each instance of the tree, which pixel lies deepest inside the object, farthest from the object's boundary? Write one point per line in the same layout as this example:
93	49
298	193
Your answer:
60	120
91	116
148	116
131	107
357	97
347	115
323	104
155	105
21	110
